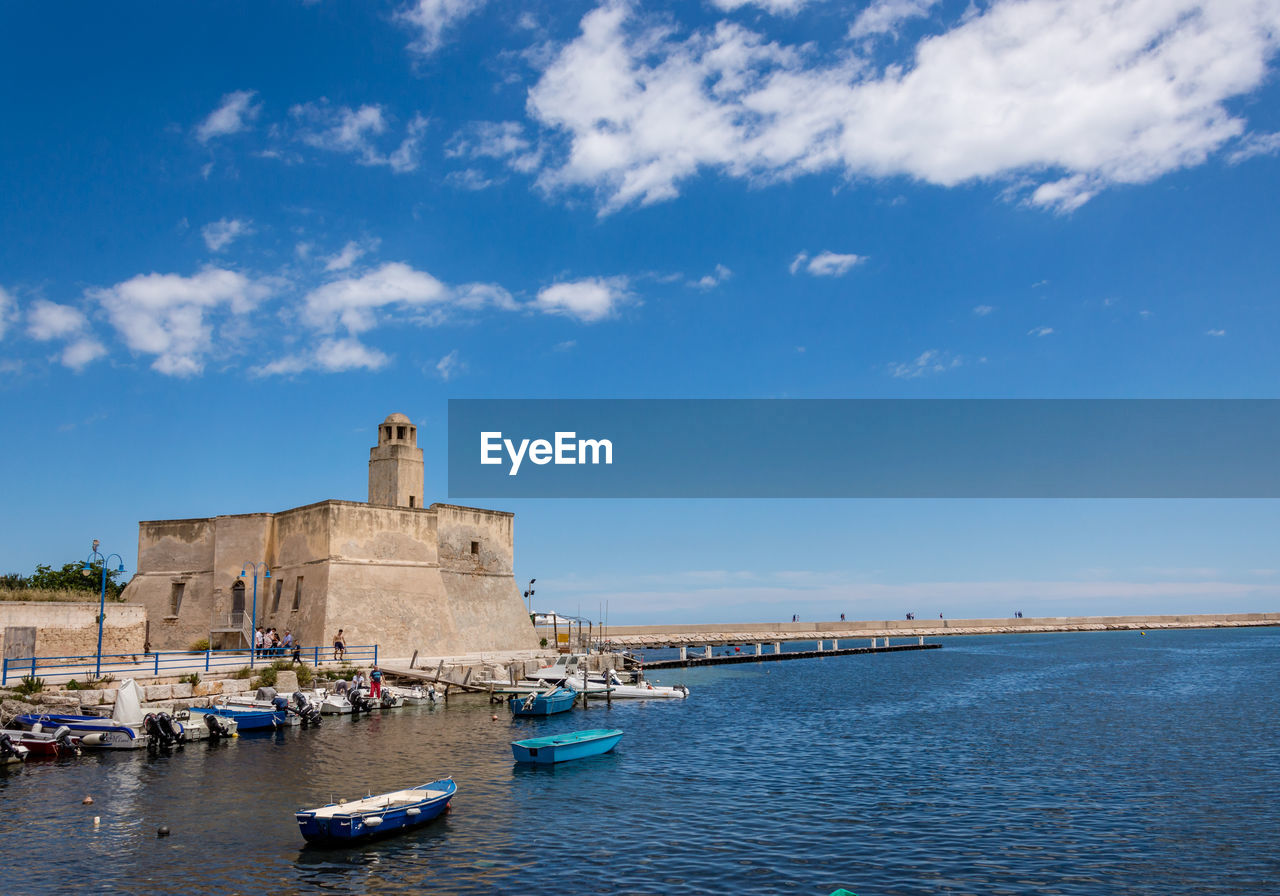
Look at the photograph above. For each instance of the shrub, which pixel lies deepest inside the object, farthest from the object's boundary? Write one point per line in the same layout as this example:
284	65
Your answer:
192	679
29	685
198	646
266	678
281	665
242	672
305	675
543	642
72	685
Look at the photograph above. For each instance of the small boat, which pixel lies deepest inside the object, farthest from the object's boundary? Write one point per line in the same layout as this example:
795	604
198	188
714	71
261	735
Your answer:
10	752
376	816
41	743
543	703
127	729
251	717
412	696
638	689
204	726
564	747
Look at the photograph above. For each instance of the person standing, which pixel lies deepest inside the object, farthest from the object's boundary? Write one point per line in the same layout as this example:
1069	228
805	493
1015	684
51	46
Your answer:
339	646
375	682
258	638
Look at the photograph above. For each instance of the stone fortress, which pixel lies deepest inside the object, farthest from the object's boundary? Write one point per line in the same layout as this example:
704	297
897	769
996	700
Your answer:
437	580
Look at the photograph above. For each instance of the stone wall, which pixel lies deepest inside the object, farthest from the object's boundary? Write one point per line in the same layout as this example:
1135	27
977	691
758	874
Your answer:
71	629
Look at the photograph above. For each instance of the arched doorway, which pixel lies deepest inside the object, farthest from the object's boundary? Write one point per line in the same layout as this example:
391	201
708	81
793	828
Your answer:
237	598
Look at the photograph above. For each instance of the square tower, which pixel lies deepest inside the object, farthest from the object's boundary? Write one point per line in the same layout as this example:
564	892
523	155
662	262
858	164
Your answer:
395	465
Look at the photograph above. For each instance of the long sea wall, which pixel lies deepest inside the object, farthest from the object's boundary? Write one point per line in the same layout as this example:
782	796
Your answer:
749	632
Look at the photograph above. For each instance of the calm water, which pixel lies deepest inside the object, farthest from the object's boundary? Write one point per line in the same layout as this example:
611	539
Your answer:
1074	764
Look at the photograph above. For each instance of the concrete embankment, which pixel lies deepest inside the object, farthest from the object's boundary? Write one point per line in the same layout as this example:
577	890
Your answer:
716	634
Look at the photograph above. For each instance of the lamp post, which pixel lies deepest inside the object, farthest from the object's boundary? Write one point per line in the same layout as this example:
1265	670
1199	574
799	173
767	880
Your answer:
253	634
96	556
528	594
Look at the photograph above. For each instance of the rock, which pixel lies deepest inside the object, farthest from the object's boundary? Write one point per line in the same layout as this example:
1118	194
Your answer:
65	701
181	691
235	685
286	681
16	707
205	688
153	692
89	697
108	696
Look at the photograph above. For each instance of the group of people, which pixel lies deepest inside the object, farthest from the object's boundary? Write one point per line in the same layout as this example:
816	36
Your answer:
270	642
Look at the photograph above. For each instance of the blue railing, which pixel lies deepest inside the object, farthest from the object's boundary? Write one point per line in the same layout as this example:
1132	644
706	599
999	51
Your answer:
176	662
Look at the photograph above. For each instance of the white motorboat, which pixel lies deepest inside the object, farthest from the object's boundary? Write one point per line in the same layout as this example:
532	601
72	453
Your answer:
640	689
202	726
415	695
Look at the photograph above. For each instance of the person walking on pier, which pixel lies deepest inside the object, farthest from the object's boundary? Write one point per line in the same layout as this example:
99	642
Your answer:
339	646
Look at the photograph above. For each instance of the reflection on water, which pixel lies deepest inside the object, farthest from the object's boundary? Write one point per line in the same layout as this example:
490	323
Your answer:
1060	763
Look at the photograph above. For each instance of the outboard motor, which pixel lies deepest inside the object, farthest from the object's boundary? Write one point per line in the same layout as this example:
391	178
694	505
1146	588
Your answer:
64	742
8	748
217	727
161	728
310	714
359	702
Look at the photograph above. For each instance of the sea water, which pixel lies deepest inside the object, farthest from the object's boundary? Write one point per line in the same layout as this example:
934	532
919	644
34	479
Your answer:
1084	763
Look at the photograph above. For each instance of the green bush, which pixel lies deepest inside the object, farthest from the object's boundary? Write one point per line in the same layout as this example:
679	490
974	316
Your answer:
266	678
543	642
29	685
72	685
198	646
192	679
242	672
305	675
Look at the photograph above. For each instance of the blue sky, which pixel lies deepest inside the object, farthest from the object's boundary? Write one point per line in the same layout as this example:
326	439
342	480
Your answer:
237	235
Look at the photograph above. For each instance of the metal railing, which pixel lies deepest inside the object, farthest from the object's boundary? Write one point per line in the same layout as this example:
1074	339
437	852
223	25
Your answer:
233	622
176	662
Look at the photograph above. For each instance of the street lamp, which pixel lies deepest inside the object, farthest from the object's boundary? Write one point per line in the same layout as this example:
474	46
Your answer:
528	594
253	634
87	569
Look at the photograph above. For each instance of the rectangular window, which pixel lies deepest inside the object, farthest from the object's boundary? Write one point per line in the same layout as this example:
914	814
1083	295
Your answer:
411	500
388	433
399	432
175	597
275	602
297	593
475	547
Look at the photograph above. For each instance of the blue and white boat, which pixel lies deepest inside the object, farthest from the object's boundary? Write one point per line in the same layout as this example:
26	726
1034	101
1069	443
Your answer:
251	718
543	703
376	816
127	729
564	747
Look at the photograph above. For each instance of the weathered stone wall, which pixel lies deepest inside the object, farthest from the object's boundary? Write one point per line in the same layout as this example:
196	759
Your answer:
71	629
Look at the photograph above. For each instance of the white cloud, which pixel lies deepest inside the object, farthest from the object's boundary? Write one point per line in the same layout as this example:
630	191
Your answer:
565	346
353	302
342	129
350	254
1215	332
1067	96
1040	331
884	16
231	117
165	314
431	18
449	366
1255	145
927	363
714	279
825	264
47	320
220	234
983	310
8	309
330	356
588	300
777	7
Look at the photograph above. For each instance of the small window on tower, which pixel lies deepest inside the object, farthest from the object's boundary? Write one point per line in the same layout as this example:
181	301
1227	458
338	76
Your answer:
399	432
475	547
388	432
275	603
175	597
297	593
411	504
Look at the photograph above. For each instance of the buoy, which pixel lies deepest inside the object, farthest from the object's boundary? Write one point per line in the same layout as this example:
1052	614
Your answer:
495	718
162	832
87	801
97	819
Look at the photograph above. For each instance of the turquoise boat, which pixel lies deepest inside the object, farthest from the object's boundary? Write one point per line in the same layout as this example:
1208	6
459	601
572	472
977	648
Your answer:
564	747
543	703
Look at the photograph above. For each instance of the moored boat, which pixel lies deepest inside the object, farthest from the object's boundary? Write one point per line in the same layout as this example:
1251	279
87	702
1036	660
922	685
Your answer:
566	747
376	816
127	729
11	752
41	743
414	695
543	703
249	717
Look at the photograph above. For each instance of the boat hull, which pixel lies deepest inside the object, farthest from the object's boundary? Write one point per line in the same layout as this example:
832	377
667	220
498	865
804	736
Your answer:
566	747
93	731
559	700
250	719
366	819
